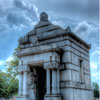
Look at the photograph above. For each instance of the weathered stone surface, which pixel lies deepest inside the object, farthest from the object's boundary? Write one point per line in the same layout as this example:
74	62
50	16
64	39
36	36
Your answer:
33	32
23	68
67	93
66	58
86	65
53	64
46	35
66	75
75	59
76	85
47	28
39	49
42	23
84	95
87	79
72	67
75	76
52	97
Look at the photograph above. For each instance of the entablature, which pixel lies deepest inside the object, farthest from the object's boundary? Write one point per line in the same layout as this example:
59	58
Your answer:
39	49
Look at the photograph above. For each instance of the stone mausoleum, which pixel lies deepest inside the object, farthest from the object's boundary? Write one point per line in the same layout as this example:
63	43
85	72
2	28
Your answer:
53	64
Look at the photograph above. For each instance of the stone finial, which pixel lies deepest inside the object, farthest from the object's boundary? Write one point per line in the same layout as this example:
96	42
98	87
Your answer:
68	29
43	16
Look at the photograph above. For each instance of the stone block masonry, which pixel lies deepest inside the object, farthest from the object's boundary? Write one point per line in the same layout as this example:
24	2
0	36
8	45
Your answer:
53	64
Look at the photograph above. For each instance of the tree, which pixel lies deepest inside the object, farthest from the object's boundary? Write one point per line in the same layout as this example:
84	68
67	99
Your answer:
12	74
2	84
8	79
96	90
13	64
8	85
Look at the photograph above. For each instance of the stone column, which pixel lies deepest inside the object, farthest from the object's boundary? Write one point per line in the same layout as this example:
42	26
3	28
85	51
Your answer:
48	80
54	82
25	83
58	82
20	83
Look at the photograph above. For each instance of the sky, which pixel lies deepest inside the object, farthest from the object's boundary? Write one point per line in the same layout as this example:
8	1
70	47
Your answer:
17	17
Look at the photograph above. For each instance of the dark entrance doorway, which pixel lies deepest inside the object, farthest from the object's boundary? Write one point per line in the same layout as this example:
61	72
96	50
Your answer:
40	83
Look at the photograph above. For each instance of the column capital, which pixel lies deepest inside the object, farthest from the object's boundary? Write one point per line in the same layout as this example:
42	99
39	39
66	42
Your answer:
24	68
51	65
20	69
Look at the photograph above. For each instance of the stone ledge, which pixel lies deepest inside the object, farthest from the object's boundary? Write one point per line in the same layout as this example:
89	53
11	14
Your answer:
53	97
47	28
22	98
38	49
75	67
75	85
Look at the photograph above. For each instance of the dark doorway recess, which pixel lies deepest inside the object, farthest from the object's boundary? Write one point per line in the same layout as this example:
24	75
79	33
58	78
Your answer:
41	83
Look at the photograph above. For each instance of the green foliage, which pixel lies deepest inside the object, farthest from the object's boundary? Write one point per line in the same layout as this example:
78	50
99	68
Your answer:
12	88
8	85
13	64
96	90
2	84
8	79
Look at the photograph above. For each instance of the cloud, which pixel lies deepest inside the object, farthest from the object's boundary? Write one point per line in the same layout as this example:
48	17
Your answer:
60	23
31	9
2	12
74	9
94	55
20	4
83	29
95	77
18	13
7	4
9	59
95	52
1	62
94	65
2	65
16	19
3	27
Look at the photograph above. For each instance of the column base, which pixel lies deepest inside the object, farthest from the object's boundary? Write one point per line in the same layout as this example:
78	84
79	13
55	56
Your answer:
52	97
22	98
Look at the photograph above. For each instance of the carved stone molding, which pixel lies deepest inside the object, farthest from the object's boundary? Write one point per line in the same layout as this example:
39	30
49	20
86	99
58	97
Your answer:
23	69
51	65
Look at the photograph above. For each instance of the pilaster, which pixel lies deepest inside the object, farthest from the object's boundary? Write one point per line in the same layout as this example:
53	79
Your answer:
23	75
48	80
20	83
